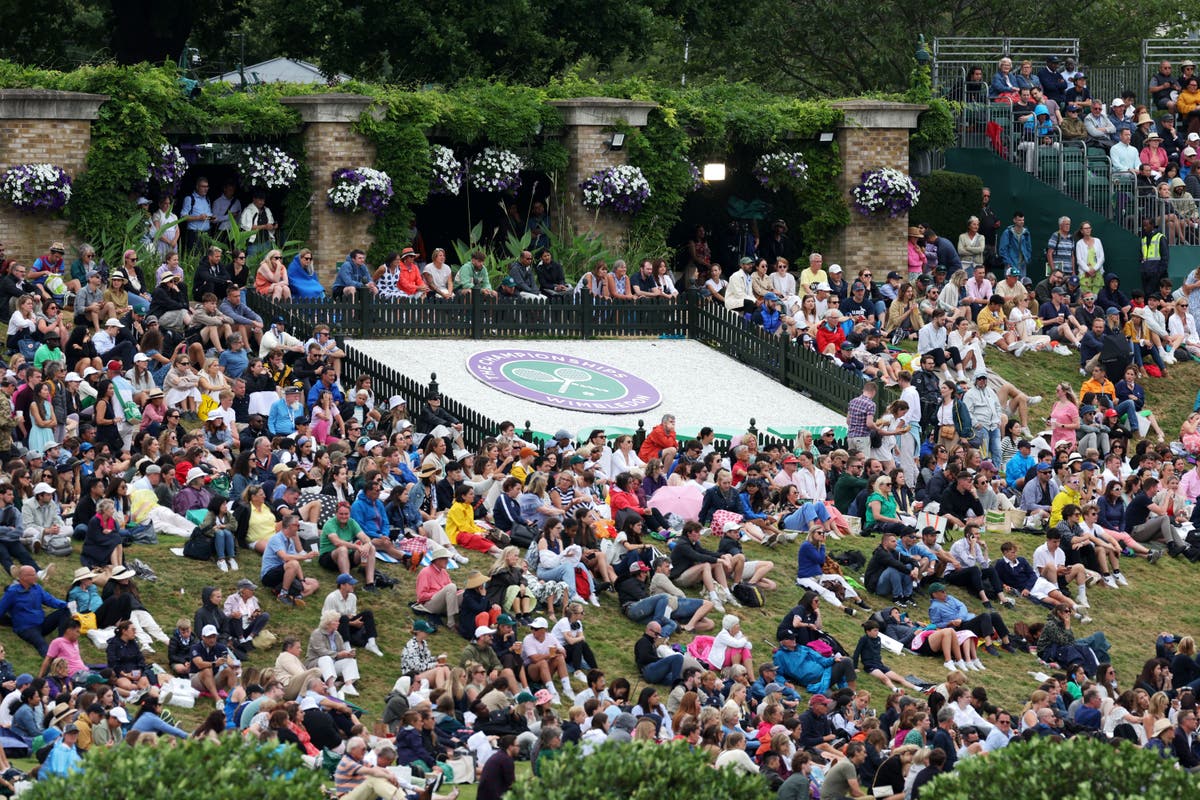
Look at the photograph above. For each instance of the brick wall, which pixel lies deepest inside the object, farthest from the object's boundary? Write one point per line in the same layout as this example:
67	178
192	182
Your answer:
590	152
875	134
329	146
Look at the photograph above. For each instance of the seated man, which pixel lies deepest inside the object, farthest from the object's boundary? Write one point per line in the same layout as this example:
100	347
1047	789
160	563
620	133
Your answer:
947	611
891	573
212	668
691	612
654	667
1057	320
1088	715
353	277
343	545
1018	576
21	607
1051	563
356	627
282	564
551	279
544	658
692	564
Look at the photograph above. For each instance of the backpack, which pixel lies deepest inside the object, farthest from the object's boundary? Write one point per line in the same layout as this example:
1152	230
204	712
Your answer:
58	544
198	546
747	595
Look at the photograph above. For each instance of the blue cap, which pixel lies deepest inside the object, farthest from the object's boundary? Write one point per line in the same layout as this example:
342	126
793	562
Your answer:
1112	310
1088	465
771	296
1087	409
346	578
1044	467
24	679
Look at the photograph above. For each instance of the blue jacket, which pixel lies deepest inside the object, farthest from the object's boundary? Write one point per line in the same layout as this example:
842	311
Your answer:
371	517
1112	515
810	561
747	512
1019	577
1039	124
351	274
305	285
1017	467
1016	251
1054	84
1000	86
24	606
941	612
806	667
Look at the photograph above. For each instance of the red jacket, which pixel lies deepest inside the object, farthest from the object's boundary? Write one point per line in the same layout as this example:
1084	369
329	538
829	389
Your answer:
657	441
618	500
826	337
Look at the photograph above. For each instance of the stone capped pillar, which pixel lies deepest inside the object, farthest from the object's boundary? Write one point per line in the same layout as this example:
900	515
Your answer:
587	133
41	126
873	133
330	142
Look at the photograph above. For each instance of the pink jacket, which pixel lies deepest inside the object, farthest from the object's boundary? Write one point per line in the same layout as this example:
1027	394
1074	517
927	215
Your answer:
430	581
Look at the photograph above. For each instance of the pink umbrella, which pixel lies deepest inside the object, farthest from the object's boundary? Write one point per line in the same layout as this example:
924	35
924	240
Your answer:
685	501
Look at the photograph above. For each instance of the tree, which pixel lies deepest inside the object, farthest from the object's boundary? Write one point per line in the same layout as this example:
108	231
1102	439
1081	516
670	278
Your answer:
195	769
1082	768
638	772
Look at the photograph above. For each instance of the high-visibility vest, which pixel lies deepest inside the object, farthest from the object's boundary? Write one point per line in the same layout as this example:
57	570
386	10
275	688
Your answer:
1152	248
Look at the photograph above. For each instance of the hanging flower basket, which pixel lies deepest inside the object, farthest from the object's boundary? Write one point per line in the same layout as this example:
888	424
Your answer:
696	174
448	171
168	171
36	187
495	171
623	189
360	189
885	191
267	167
777	171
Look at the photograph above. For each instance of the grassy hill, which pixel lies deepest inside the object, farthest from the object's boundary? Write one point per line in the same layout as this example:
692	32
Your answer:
1156	601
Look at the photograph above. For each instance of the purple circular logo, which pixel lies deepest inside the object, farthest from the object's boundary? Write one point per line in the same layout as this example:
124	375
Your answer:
570	382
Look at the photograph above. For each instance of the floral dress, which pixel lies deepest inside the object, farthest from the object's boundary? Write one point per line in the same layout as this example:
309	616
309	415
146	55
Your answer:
416	658
389	284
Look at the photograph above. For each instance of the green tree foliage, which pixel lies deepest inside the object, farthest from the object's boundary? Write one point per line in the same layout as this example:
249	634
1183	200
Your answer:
947	199
191	770
1077	769
638	772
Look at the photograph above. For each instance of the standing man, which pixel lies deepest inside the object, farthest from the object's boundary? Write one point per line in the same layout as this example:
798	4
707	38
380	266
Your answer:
257	219
1153	267
226	206
984	405
860	419
1015	247
196	215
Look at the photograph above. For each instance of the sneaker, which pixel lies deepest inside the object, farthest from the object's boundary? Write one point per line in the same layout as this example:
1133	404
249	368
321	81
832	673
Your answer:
1084	618
848	611
299	602
1092	578
1008	602
595	601
1110	581
978	665
42	573
460	558
1008	648
863	606
222	565
1081	600
950	666
991	650
1120	577
715	599
348	689
286	599
1034	399
372	647
233	565
833	535
962	666
1154	556
580	676
370	588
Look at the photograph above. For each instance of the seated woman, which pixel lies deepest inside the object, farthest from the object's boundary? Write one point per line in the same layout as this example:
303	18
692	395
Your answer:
271	279
305	285
102	544
461	527
328	652
125	659
418	663
181	386
730	646
1130	389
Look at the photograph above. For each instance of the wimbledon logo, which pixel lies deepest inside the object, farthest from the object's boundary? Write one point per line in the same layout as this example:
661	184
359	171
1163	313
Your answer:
554	379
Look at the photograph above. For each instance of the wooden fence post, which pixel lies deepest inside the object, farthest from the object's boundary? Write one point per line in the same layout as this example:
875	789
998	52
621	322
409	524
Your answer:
585	309
433	384
476	314
527	434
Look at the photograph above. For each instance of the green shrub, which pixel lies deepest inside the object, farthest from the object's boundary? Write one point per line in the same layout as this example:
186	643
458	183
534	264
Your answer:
190	770
1077	769
947	199
638	772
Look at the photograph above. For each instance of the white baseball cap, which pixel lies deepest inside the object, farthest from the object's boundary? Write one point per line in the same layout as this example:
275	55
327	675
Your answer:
209	630
539	624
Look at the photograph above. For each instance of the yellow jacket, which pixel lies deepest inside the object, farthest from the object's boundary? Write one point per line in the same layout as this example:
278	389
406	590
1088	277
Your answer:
460	519
1065	497
989	322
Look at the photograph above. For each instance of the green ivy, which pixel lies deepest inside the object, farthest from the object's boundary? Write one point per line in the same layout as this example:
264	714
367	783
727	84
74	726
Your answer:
192	769
1082	768
947	199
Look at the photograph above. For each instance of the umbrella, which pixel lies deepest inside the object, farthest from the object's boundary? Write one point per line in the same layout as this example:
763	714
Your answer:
684	501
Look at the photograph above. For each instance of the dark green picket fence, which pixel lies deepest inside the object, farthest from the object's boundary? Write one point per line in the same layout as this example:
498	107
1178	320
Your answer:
475	317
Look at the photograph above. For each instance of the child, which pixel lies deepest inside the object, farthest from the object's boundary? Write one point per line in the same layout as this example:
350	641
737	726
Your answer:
869	650
83	592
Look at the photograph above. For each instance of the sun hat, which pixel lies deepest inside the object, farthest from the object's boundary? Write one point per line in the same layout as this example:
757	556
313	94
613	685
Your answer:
195	474
246	583
123	574
543	697
395	401
113	322
475	579
439	552
82	574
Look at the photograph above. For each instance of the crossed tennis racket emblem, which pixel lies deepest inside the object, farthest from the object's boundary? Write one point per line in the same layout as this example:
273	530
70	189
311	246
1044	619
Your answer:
566	377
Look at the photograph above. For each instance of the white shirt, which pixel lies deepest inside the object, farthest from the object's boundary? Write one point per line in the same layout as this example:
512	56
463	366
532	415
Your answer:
812	484
344	606
560	629
235	602
1042	557
913	398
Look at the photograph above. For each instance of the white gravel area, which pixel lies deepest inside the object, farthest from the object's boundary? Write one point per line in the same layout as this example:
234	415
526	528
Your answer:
698	385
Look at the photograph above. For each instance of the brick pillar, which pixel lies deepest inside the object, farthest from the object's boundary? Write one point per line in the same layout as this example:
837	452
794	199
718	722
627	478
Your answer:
42	127
873	134
330	142
587	135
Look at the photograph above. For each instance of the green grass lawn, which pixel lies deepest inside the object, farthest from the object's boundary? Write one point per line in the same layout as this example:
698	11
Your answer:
1131	617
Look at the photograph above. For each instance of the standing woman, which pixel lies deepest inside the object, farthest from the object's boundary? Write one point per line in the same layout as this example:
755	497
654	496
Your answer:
41	415
1089	251
971	244
164	228
106	417
1064	417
